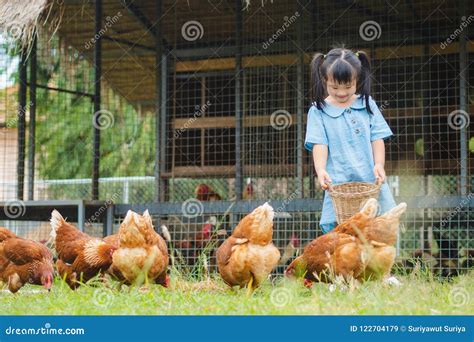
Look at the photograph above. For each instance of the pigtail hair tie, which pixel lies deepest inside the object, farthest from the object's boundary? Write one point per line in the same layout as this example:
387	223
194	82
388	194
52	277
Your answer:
357	54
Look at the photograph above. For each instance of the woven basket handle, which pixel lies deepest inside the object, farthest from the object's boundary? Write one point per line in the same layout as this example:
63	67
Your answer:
330	188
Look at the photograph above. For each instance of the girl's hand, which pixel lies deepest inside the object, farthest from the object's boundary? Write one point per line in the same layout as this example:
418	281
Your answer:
379	173
324	178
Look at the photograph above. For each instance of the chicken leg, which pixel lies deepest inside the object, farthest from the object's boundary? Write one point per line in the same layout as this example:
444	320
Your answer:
249	287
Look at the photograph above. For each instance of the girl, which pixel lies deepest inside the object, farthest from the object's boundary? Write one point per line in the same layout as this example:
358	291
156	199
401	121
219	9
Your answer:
345	128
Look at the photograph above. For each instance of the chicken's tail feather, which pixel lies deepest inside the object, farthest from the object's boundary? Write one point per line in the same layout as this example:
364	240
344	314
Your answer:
56	221
396	211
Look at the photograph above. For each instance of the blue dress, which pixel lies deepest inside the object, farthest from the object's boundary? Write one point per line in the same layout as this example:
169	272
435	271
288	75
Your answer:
348	133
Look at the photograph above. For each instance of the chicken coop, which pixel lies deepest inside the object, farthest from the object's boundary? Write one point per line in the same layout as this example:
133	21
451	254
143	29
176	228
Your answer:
196	110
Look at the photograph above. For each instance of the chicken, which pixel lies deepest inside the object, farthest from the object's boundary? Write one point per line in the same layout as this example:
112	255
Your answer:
191	247
447	255
202	237
289	252
468	261
381	234
142	255
419	259
329	255
248	193
382	230
113	240
205	193
445	262
24	261
357	224
6	234
362	247
248	256
80	257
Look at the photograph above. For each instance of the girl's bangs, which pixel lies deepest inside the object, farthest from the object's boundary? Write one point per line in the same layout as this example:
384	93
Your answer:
341	72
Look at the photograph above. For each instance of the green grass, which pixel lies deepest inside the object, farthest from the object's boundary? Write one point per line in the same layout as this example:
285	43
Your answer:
418	294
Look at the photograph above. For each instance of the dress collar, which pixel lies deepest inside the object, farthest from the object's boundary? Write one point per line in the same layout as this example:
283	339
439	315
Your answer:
335	111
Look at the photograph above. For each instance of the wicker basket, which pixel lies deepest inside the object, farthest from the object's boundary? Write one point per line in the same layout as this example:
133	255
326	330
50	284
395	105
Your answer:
348	198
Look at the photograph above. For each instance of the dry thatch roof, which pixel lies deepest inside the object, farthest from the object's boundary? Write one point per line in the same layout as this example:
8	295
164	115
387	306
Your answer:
19	20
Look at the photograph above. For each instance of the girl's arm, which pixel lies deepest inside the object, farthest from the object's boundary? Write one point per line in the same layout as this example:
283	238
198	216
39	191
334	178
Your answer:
378	150
320	157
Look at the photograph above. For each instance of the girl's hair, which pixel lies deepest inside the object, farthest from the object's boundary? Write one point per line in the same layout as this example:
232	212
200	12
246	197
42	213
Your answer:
342	65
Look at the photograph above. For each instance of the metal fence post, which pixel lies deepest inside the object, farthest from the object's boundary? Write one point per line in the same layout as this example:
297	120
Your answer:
21	123
96	115
463	102
299	101
164	117
238	100
32	124
158	106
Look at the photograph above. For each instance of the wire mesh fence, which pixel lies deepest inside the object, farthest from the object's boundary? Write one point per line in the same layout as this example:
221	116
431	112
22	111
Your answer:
222	93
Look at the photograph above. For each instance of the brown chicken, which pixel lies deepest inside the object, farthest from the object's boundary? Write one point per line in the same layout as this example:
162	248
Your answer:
24	261
6	234
329	255
361	248
142	255
80	256
248	256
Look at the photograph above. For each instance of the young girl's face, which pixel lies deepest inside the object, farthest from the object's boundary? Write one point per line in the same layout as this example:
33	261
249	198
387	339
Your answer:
341	92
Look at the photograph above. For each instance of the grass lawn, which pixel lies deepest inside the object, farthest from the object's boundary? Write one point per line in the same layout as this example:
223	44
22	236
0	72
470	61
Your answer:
417	295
